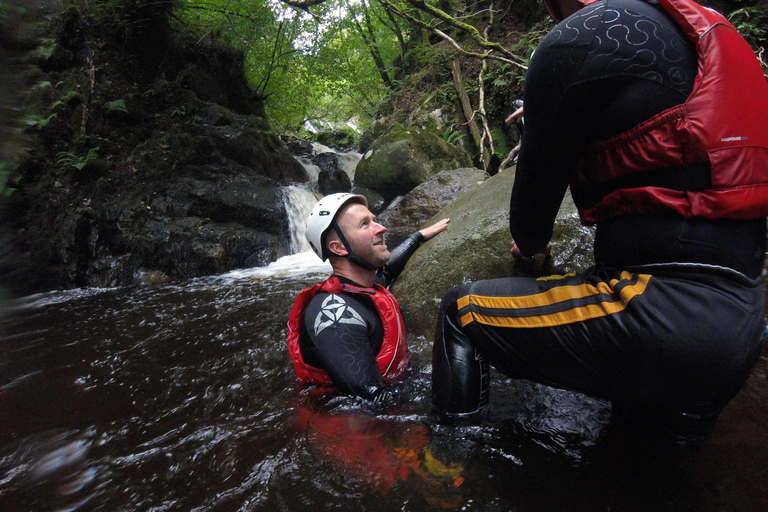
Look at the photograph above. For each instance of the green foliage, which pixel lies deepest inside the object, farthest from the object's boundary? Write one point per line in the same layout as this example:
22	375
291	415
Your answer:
117	105
752	24
6	174
528	43
304	66
45	49
72	97
66	158
452	137
39	122
180	111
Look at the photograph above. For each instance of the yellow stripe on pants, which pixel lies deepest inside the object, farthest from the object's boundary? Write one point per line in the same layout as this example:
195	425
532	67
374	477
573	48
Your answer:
549	298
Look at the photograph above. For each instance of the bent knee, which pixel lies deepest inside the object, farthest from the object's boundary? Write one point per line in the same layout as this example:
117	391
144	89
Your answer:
453	295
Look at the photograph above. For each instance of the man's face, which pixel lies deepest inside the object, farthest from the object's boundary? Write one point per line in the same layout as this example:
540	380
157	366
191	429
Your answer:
364	234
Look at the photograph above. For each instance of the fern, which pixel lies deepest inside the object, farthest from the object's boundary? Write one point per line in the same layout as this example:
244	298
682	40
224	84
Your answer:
118	105
78	162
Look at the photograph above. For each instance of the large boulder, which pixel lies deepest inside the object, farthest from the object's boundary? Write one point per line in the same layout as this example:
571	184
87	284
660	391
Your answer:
403	158
476	246
411	212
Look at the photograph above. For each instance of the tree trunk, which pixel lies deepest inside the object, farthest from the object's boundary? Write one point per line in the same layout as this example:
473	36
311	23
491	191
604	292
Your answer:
469	115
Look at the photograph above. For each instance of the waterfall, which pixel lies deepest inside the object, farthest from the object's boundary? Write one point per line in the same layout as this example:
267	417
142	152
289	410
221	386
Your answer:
298	203
347	161
313	171
299	200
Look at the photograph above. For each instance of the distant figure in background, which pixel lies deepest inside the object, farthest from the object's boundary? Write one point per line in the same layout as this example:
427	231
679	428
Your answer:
348	331
654	114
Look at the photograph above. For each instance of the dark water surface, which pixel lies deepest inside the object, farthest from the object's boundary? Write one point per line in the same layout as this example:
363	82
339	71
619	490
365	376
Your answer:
182	397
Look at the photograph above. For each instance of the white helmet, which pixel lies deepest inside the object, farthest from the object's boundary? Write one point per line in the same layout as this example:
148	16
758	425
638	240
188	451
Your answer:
323	216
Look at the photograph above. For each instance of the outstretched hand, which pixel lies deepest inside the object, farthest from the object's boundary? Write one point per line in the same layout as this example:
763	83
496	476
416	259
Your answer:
434	229
515	251
515	116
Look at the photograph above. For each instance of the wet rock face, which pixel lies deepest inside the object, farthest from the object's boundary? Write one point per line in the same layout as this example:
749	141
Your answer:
200	196
299	147
331	178
175	173
411	212
403	158
476	246
330	182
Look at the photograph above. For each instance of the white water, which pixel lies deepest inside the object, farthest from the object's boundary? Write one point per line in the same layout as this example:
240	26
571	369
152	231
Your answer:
287	266
299	202
347	161
313	171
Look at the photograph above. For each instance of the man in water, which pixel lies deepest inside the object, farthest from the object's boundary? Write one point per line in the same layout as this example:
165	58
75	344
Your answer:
348	330
669	323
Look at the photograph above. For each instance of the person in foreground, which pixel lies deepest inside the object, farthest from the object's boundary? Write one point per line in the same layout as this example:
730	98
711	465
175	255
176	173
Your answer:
654	115
348	331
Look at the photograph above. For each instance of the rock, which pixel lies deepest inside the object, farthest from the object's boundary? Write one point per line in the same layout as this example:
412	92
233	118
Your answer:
376	129
375	201
476	246
300	147
195	247
330	182
253	202
403	158
411	212
340	137
326	161
175	171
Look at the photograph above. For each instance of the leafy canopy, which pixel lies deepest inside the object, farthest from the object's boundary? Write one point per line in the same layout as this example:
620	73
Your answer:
305	65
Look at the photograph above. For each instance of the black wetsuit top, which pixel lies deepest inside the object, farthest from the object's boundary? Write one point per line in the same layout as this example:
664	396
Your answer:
600	72
347	350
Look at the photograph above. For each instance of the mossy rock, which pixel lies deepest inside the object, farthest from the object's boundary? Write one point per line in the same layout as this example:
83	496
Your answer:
476	246
403	158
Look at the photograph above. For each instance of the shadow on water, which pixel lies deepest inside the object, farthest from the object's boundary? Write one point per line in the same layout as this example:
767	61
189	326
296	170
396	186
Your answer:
182	397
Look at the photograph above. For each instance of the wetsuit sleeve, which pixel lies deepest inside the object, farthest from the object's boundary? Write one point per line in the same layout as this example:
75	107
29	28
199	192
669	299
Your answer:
548	150
339	340
399	256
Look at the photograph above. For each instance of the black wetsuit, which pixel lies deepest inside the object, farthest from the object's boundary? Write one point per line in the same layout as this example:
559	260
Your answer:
671	318
347	350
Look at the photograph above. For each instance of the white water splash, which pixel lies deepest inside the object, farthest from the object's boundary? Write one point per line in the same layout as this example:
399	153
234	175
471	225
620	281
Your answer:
347	161
313	171
298	204
287	266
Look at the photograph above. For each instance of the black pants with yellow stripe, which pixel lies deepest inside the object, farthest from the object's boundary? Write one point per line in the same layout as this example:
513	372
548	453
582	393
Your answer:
676	339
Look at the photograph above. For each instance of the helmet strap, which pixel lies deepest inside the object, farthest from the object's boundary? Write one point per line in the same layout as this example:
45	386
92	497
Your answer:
352	257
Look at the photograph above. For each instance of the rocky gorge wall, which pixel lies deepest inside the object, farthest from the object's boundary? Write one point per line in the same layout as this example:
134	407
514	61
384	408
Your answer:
134	173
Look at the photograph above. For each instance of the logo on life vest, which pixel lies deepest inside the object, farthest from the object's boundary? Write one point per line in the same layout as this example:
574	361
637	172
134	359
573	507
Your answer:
335	310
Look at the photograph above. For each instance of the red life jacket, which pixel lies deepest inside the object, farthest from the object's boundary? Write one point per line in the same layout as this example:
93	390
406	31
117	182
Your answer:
393	356
723	125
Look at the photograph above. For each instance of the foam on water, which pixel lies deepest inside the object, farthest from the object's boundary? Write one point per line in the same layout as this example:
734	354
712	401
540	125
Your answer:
292	265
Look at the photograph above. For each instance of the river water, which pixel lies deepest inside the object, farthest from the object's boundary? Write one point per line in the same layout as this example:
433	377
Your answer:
181	397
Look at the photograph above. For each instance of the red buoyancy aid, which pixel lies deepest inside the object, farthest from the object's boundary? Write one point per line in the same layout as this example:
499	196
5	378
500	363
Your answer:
393	356
723	122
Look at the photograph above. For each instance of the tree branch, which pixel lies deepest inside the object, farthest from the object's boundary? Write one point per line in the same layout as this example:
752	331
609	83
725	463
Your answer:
464	27
452	42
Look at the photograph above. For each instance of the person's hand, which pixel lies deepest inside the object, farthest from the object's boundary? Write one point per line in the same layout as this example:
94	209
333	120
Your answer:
434	229
515	116
515	251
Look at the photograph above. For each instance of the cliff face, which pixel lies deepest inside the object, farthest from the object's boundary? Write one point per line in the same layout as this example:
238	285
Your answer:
149	156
